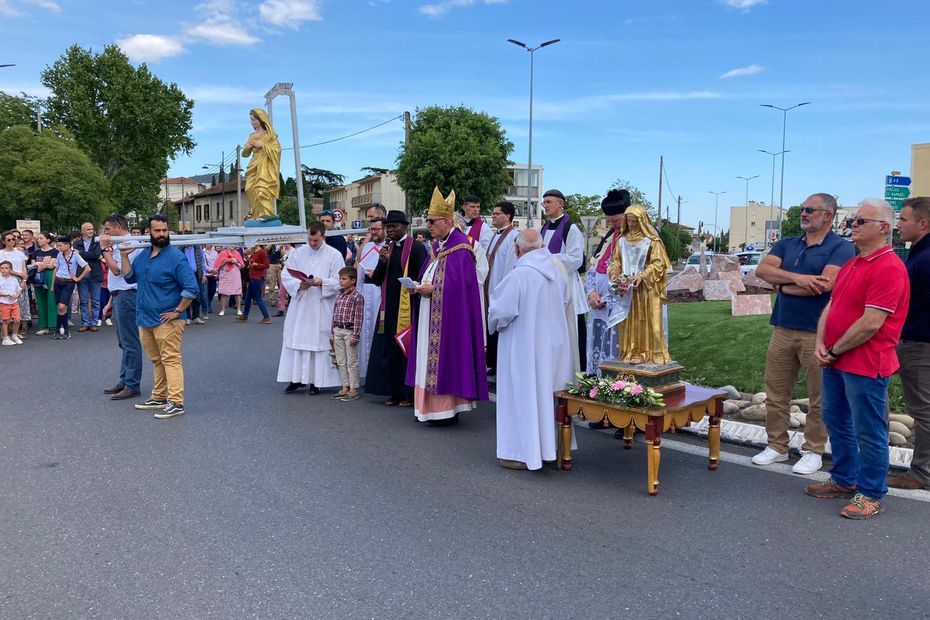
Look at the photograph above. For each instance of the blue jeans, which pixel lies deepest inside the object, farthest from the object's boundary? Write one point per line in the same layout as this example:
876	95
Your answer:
853	408
255	292
127	334
204	302
211	293
88	289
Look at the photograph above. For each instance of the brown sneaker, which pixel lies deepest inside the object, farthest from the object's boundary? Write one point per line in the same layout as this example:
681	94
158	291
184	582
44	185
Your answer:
906	481
508	464
862	507
830	490
265	321
242	318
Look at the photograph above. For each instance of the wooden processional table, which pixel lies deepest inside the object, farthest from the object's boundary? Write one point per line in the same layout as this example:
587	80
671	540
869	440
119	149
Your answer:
682	408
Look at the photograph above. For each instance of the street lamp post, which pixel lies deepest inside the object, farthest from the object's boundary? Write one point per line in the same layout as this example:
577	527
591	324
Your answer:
746	219
716	202
784	130
529	159
772	201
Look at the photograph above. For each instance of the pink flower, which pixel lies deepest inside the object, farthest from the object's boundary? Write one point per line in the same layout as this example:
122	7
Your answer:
637	390
618	385
592	393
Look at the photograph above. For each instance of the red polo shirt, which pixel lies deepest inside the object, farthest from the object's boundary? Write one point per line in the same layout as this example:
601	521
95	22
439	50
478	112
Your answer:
878	280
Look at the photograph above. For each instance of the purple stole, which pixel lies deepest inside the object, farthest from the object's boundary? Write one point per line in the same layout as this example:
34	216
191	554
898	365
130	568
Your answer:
475	231
558	237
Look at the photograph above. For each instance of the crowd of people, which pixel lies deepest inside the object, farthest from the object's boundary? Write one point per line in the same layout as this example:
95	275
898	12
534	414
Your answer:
425	323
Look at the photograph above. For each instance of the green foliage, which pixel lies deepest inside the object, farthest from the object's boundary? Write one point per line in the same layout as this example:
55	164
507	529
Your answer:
577	205
289	187
723	242
373	171
49	179
673	246
637	197
288	211
457	149
17	110
791	224
317	181
128	121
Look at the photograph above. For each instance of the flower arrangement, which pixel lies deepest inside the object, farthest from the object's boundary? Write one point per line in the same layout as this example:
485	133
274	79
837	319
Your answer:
620	390
621	285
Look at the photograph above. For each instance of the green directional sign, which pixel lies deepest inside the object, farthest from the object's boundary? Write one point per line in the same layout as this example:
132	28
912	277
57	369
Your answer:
896	203
897	191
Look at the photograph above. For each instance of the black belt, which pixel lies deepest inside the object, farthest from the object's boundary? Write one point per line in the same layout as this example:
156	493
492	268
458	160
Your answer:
344	325
120	292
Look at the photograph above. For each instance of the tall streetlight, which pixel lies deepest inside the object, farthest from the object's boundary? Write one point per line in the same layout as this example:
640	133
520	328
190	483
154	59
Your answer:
746	220
784	130
772	201
716	201
529	159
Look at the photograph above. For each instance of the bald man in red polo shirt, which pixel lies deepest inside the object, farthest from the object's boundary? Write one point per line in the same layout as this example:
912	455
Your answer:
855	345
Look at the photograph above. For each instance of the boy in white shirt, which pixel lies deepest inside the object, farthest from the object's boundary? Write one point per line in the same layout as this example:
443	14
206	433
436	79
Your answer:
10	290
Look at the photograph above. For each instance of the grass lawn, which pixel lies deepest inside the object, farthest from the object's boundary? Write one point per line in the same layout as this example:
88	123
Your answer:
719	349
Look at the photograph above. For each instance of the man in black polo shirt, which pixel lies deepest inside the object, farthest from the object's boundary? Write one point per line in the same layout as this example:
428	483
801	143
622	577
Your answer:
914	348
802	269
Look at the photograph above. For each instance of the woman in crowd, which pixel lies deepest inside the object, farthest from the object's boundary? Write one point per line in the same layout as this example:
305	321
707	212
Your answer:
44	260
229	266
209	266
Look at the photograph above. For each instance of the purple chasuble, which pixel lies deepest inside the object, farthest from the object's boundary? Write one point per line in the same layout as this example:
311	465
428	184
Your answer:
455	317
558	237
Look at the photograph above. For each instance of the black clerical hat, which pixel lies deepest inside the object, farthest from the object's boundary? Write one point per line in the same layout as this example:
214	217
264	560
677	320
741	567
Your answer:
554	192
396	217
616	202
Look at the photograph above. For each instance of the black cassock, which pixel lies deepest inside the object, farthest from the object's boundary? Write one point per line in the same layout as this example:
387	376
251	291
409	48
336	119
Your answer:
387	364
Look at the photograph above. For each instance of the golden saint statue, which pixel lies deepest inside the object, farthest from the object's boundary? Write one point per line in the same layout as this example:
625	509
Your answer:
262	177
638	271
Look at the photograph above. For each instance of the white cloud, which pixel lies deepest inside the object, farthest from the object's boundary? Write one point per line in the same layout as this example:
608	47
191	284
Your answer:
222	94
48	5
220	25
150	47
441	8
743	5
6	9
743	71
290	13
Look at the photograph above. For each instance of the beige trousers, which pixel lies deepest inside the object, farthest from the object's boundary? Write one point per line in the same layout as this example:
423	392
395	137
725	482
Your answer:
272	279
790	351
346	357
162	345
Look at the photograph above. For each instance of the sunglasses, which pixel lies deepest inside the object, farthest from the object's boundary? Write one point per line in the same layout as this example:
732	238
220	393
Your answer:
432	221
862	220
809	210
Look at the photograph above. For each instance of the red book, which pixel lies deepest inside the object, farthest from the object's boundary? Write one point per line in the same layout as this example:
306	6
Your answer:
403	339
300	275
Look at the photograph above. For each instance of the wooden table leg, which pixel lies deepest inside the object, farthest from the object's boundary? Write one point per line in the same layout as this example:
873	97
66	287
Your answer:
628	436
713	435
564	439
653	453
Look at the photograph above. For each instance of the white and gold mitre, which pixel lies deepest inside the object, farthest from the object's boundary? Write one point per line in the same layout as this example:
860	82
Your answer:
442	207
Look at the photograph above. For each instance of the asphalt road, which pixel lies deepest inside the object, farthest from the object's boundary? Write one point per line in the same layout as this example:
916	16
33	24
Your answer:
257	504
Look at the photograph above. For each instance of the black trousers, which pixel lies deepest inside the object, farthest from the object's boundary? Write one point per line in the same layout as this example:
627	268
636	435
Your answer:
490	357
583	341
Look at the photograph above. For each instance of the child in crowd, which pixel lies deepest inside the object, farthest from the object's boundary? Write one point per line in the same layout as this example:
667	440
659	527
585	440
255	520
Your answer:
67	266
347	324
10	290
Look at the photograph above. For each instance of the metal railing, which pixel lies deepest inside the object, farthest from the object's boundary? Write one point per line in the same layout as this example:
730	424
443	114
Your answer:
366	199
520	191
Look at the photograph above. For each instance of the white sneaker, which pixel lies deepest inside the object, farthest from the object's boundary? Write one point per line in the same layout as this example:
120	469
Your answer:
239	312
99	322
16	339
43	332
222	313
187	321
109	322
8	342
200	321
769	456
809	463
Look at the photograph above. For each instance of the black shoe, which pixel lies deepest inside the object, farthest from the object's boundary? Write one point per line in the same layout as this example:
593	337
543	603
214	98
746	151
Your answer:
446	422
313	390
280	314
116	388
292	387
171	410
124	394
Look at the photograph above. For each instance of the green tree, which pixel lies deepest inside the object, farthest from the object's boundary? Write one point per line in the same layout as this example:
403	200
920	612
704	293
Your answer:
457	149
18	110
49	178
290	187
317	181
127	120
373	171
287	210
637	197
791	223
577	205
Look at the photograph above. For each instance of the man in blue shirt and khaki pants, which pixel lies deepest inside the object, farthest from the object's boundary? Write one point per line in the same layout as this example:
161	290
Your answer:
166	287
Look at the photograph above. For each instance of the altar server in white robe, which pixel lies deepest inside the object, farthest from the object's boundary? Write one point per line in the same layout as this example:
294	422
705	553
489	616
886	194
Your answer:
305	358
366	264
534	357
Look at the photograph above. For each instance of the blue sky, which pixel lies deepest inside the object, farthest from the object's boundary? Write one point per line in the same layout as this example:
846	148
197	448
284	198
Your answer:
630	81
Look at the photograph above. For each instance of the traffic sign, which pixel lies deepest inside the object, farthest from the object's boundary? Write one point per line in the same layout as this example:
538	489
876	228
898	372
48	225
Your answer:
338	215
897	191
356	224
896	203
893	180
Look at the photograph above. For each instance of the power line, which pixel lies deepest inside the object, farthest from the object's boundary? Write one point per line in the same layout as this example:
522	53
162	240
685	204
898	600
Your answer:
351	135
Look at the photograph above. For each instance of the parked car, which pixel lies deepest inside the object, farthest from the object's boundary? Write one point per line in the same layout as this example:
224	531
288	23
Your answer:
749	261
695	260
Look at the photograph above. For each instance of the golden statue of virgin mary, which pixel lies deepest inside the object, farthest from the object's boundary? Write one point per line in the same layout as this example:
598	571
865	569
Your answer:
262	177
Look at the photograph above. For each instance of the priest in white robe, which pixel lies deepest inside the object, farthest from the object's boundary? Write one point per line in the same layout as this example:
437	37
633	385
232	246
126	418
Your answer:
502	256
527	309
311	278
366	264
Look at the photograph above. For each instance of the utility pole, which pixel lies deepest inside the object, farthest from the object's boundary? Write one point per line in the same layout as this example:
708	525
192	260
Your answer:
406	144
239	180
678	225
661	171
38	117
222	188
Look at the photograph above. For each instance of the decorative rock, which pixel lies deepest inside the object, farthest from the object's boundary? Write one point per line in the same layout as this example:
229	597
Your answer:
730	408
793	422
759	397
896	439
754	413
751	305
752	280
717	290
723	263
742	403
688	280
906	420
803	403
897	427
801	418
736	283
731	391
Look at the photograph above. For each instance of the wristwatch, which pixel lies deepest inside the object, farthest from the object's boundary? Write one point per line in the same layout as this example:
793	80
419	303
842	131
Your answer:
107	250
832	353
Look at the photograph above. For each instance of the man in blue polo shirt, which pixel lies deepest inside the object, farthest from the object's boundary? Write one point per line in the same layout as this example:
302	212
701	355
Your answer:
802	269
166	287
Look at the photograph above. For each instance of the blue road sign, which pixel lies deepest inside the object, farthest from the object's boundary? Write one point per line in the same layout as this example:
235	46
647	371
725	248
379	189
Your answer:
356	223
891	180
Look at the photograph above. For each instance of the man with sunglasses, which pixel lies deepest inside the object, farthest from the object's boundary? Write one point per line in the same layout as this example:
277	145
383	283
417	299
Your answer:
802	269
914	348
856	338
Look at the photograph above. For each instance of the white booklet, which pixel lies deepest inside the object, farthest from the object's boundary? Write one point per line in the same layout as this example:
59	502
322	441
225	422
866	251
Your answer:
408	283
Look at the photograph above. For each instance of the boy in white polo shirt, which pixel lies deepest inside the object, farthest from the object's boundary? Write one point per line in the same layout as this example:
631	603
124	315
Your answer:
10	290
